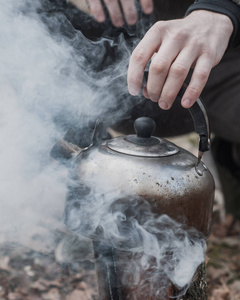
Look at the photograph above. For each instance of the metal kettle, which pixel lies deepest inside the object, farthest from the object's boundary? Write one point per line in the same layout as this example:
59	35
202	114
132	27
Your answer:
136	176
172	180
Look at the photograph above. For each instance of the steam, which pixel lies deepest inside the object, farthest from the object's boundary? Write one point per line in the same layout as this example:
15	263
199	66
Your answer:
48	83
159	246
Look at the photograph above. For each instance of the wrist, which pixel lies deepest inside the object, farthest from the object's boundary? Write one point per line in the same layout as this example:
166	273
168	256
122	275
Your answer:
226	8
224	23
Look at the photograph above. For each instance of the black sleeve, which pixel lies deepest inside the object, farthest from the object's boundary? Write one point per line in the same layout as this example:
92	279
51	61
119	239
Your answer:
226	7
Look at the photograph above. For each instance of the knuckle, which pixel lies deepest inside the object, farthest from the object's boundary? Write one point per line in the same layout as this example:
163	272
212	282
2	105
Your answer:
177	35
158	66
208	52
158	26
194	90
138	54
202	74
179	69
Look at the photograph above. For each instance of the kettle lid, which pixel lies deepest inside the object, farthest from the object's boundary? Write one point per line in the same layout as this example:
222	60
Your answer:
143	143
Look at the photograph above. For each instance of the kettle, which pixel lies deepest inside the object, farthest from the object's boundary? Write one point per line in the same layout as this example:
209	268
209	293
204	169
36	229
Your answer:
172	180
135	174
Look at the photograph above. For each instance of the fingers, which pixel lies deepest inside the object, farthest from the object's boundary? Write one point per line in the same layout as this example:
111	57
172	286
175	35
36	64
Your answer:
169	82
97	10
177	73
114	9
139	59
130	11
115	13
167	73
179	45
199	78
169	67
147	6
159	70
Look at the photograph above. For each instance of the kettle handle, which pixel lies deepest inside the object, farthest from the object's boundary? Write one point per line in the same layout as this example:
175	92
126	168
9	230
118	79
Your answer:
200	119
199	116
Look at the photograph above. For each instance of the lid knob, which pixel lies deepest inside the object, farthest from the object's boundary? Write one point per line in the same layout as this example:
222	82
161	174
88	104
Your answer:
144	127
143	144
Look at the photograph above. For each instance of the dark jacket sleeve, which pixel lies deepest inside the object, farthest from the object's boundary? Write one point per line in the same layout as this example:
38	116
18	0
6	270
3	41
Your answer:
231	8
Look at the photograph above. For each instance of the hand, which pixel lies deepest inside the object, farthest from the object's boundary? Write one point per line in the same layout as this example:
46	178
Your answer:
199	40
113	6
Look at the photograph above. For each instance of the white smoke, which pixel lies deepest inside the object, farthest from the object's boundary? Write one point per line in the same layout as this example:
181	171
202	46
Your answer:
27	83
164	248
42	81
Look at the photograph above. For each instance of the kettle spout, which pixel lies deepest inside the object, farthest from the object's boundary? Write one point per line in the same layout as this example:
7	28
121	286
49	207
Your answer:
79	139
64	150
74	141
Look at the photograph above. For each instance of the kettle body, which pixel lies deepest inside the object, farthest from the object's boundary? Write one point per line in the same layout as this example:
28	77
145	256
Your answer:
169	182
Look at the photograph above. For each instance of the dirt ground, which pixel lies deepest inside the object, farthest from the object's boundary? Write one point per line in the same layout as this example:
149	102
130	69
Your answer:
223	261
36	270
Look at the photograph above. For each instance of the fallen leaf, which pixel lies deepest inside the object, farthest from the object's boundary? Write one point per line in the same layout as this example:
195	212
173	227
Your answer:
215	273
220	294
236	287
78	294
53	294
14	296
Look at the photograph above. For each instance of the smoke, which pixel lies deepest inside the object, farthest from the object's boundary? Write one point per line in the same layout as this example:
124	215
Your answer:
154	251
50	80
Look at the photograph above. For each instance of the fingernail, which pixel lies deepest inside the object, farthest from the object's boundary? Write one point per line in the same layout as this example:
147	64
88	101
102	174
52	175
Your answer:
186	102
133	91
163	105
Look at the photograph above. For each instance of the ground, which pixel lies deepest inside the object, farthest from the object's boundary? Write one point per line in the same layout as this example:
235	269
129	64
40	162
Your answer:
223	262
31	270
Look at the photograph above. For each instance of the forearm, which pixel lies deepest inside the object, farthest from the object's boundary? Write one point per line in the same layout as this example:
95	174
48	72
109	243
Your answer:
230	8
